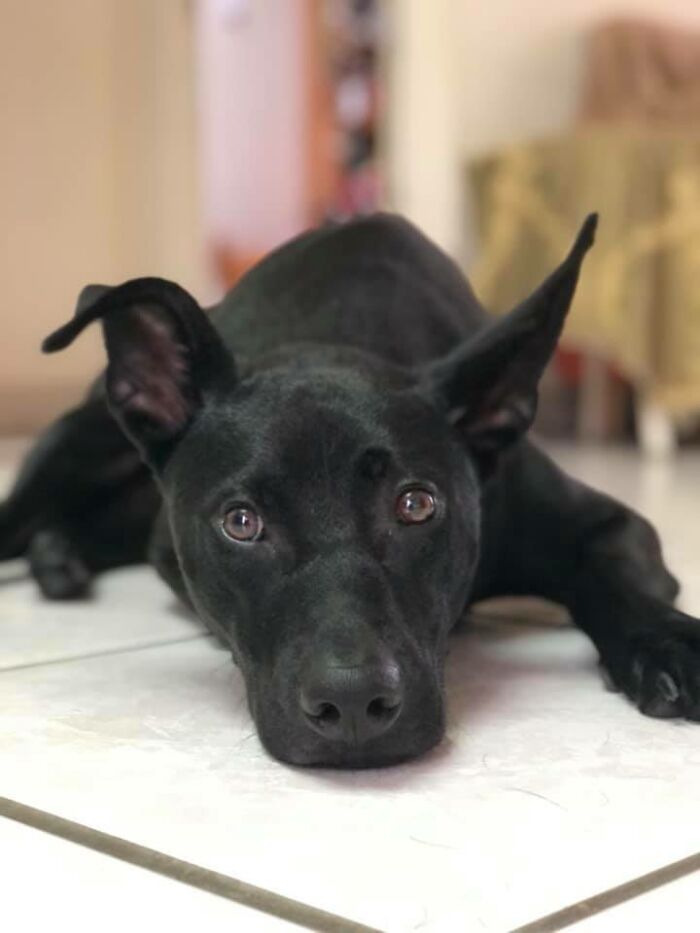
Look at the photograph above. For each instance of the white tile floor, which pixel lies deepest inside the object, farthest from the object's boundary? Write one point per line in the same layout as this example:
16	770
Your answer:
59	886
548	789
673	906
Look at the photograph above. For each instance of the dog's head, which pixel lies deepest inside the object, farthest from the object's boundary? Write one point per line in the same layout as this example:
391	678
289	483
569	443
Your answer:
325	509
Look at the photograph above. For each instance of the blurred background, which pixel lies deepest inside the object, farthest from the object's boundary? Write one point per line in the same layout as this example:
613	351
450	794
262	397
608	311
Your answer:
186	138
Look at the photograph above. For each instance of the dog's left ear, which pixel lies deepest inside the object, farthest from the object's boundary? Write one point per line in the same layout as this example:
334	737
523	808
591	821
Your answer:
487	386
165	358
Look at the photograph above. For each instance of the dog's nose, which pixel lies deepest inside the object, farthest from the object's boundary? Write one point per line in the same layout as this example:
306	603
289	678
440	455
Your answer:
352	703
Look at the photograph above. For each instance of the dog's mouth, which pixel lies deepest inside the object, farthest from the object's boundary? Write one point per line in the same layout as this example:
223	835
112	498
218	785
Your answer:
357	759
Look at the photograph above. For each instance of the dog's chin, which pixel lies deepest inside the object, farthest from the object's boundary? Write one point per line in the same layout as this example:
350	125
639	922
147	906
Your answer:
306	750
350	759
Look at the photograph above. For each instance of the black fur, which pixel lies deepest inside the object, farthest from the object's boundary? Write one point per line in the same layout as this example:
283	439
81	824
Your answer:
351	364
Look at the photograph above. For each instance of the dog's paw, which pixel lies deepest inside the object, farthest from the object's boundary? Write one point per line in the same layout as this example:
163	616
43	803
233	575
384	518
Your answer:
661	673
58	570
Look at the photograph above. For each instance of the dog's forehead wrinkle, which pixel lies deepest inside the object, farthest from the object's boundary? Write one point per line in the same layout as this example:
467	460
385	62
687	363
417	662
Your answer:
321	427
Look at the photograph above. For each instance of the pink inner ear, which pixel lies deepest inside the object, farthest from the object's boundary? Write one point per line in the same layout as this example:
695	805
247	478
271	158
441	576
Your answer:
507	414
153	375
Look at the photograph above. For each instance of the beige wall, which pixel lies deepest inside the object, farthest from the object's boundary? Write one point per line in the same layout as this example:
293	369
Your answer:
422	135
97	179
466	76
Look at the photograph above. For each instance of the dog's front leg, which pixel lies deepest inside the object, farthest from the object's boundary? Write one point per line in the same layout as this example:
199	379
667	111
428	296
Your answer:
650	649
562	540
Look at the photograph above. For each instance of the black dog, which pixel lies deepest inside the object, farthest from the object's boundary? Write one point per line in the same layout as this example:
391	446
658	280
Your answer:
339	454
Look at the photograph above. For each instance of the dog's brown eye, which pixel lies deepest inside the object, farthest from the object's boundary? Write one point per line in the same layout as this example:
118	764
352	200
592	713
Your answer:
415	506
242	524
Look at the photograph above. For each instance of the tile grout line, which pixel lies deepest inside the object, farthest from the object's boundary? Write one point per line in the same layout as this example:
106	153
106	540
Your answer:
108	652
241	892
620	894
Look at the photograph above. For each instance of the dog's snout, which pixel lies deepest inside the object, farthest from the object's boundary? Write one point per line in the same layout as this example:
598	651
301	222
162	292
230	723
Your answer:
352	703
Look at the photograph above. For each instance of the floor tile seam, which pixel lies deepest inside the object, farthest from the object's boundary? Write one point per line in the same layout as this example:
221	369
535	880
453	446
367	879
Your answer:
613	897
196	876
107	652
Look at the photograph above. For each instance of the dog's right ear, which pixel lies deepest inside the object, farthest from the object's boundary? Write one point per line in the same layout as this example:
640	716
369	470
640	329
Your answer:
165	358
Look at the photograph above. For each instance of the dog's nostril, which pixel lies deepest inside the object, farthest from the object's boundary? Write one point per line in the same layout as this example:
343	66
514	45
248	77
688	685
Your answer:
382	708
328	714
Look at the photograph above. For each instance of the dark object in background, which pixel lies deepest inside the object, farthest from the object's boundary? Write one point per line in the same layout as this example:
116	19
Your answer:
353	34
642	72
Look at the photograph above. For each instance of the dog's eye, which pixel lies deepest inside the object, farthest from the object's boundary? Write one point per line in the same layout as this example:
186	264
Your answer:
242	524
415	506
